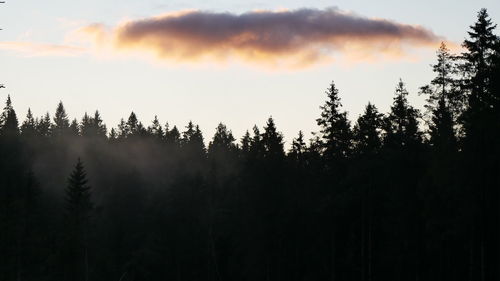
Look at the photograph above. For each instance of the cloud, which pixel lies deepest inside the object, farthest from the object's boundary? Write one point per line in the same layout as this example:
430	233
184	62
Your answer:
285	38
32	49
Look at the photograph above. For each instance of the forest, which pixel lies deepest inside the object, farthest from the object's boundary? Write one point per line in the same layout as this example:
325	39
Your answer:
406	195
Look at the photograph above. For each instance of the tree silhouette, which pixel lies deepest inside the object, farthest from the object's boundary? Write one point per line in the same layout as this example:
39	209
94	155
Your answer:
401	125
28	128
444	101
156	129
335	127
223	141
9	125
77	216
61	121
272	141
43	126
367	131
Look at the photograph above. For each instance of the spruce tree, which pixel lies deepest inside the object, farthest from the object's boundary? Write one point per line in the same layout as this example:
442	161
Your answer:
85	125
28	128
61	121
113	135
98	125
476	65
123	131
9	125
222	142
335	127
78	197
367	131
133	127
78	212
156	129
192	140
74	128
272	141
442	135
44	126
172	136
444	101
246	142
478	58
256	145
480	124
299	147
401	125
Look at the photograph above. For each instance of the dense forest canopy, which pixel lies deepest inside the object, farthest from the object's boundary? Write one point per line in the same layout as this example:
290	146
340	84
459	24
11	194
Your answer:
405	195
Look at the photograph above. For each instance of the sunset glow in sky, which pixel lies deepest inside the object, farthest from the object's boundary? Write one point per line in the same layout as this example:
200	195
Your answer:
232	61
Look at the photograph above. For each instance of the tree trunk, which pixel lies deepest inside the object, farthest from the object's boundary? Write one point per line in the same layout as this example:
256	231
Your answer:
370	251
333	254
86	265
363	234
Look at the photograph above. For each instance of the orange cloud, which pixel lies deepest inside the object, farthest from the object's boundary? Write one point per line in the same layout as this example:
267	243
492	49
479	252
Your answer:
282	38
41	49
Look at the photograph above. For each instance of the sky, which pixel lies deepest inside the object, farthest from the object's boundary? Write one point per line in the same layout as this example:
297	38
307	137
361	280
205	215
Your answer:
236	62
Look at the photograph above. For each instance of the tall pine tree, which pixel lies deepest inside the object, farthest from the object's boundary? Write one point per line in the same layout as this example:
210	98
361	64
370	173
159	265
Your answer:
335	127
77	217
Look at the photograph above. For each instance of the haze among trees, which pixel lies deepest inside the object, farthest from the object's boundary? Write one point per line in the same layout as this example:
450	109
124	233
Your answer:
402	195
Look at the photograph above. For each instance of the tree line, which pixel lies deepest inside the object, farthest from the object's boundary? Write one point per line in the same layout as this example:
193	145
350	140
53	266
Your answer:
406	195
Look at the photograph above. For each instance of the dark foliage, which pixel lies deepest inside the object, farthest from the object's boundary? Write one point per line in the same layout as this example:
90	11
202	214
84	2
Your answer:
389	198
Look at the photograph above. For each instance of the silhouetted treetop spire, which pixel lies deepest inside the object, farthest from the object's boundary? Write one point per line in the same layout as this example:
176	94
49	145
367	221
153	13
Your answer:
335	128
222	141
9	125
28	128
156	129
61	121
367	131
401	125
272	140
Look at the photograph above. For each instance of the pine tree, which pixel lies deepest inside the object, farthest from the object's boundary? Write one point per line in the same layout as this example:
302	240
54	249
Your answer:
99	126
156	129
93	126
131	128
476	65
28	128
192	139
123	131
85	125
272	141
9	125
480	124
477	60
367	131
299	147
77	217
222	142
442	135
335	127
401	126
44	126
74	128
173	136
246	142
113	135
256	145
78	202
61	121
445	84
444	101
133	124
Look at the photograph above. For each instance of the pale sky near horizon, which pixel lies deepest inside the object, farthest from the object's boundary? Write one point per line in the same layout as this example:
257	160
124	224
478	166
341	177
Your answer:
235	93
